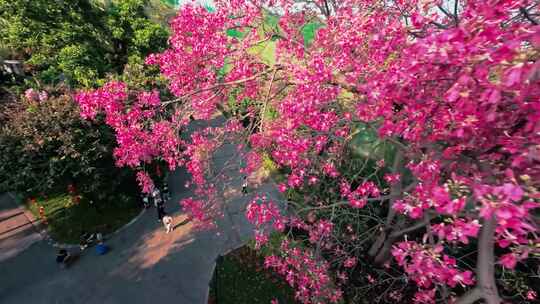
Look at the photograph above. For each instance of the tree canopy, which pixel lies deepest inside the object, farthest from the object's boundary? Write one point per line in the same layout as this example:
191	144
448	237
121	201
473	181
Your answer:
407	134
78	41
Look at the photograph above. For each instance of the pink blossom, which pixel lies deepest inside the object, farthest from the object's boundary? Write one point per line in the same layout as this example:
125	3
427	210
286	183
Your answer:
392	178
349	262
146	183
43	96
508	260
30	94
458	101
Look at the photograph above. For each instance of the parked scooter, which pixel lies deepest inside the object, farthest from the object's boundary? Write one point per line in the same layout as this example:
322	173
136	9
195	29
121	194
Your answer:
89	239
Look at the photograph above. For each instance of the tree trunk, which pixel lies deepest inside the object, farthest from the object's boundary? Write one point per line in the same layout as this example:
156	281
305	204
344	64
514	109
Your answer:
486	263
486	287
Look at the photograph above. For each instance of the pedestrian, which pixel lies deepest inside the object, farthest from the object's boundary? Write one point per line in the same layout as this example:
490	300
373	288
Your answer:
156	196
167	222
245	185
161	212
166	193
146	201
158	203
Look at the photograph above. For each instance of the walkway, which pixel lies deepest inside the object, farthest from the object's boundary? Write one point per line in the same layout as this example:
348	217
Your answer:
145	264
17	228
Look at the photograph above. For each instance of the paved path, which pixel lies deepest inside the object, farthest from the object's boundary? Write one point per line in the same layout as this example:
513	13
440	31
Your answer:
145	264
17	228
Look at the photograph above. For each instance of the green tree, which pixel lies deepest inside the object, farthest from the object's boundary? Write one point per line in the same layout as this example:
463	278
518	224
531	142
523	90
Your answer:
45	145
78	41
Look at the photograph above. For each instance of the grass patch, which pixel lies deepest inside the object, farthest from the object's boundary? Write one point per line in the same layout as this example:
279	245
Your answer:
240	278
67	219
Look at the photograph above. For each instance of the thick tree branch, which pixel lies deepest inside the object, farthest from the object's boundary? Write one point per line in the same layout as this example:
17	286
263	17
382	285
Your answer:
486	263
456	7
412	228
486	287
395	193
471	296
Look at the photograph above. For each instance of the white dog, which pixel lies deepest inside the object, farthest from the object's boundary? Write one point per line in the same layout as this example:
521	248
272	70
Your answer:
167	222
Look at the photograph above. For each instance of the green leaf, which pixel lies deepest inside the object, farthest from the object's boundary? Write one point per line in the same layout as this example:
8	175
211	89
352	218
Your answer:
174	3
269	25
225	69
271	21
266	51
209	8
235	33
309	30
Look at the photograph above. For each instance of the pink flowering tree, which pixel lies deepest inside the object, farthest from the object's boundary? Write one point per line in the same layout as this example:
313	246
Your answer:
407	134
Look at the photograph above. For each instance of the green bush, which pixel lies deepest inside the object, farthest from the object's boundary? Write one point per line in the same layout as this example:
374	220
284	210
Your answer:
46	145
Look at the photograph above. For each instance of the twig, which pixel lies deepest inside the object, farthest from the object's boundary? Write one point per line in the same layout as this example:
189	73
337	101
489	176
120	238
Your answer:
527	16
239	81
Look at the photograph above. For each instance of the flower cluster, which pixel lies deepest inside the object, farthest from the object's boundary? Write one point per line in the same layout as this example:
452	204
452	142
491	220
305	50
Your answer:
457	230
304	272
358	198
429	266
261	212
198	210
33	95
454	94
145	182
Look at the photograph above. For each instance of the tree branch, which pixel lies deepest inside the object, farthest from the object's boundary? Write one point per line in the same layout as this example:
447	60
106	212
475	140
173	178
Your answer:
401	232
456	7
471	296
394	194
447	13
527	16
486	262
486	287
239	81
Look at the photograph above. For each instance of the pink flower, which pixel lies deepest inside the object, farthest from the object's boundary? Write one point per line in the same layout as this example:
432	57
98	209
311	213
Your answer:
425	296
43	96
145	182
451	99
349	262
31	94
392	178
261	238
508	260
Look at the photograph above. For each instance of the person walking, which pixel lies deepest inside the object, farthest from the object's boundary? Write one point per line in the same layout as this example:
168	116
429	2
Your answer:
158	203
245	186
146	201
166	193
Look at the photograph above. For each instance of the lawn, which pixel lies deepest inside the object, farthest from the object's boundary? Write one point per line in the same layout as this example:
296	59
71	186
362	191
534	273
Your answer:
67	219
240	278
